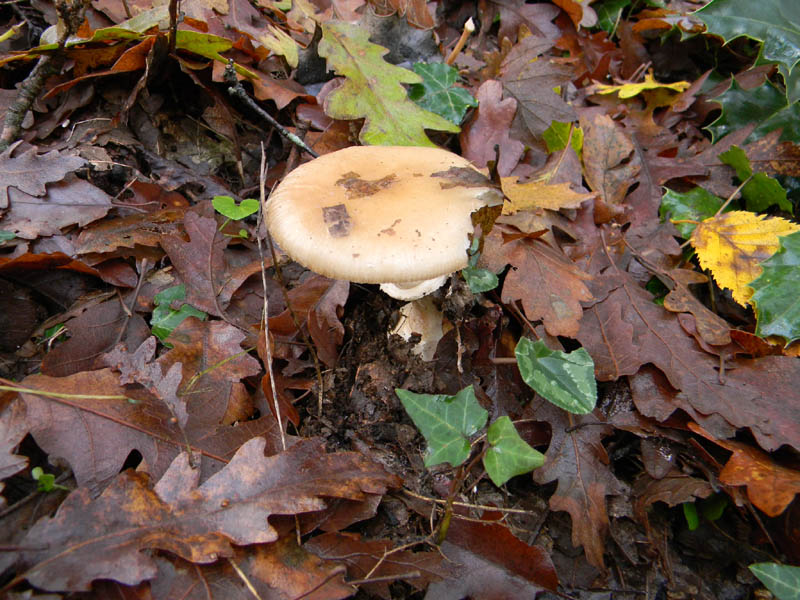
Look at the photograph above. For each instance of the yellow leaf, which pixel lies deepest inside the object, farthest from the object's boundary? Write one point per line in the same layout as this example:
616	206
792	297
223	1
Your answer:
733	244
281	43
629	90
539	194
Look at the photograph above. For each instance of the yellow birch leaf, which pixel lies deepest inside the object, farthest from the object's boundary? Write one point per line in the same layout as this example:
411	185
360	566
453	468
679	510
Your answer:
733	245
539	194
629	90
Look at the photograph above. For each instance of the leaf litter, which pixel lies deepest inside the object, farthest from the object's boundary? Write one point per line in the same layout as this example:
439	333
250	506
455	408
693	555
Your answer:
183	478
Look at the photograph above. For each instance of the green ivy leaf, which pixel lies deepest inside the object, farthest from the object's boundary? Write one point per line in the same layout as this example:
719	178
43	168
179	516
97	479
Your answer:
509	455
565	379
165	318
774	23
765	105
479	280
782	580
446	423
695	205
776	300
762	191
437	92
373	90
227	207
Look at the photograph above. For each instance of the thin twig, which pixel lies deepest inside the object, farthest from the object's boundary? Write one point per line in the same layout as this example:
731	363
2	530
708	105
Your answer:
236	90
263	197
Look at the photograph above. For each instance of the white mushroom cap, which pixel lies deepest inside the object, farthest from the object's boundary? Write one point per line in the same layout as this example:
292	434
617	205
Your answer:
379	214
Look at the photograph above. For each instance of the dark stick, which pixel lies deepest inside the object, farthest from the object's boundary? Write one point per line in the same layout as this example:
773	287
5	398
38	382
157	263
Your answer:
236	90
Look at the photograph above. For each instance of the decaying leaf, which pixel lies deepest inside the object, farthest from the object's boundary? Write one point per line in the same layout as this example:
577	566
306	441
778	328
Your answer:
30	172
577	459
106	538
549	286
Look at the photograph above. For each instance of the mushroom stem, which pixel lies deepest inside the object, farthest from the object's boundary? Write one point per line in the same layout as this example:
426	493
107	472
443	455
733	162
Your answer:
469	27
422	317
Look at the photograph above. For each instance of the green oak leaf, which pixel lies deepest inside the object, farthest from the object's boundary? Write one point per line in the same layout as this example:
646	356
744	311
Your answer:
697	204
165	318
762	191
373	90
437	92
565	379
509	455
776	297
782	580
766	106
227	207
774	23
446	423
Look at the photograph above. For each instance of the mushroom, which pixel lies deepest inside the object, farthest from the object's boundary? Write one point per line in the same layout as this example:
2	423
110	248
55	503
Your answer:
398	216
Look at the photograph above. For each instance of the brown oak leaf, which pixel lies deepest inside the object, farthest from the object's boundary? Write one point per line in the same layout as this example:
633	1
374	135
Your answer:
112	536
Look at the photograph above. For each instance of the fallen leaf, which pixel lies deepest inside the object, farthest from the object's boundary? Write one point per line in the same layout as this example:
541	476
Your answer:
539	194
94	331
625	330
213	364
30	172
629	90
770	486
489	127
577	459
373	90
712	328
13	427
200	261
492	563
549	285
732	246
276	571
530	78
106	538
360	556
609	161
72	201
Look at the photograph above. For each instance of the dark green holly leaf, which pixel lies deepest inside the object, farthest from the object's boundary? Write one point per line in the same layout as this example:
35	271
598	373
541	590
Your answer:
165	318
774	23
446	423
509	455
776	297
695	205
438	93
565	379
762	191
608	13
766	105
782	580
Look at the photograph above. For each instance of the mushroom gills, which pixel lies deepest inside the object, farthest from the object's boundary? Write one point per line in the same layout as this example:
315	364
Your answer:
413	290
